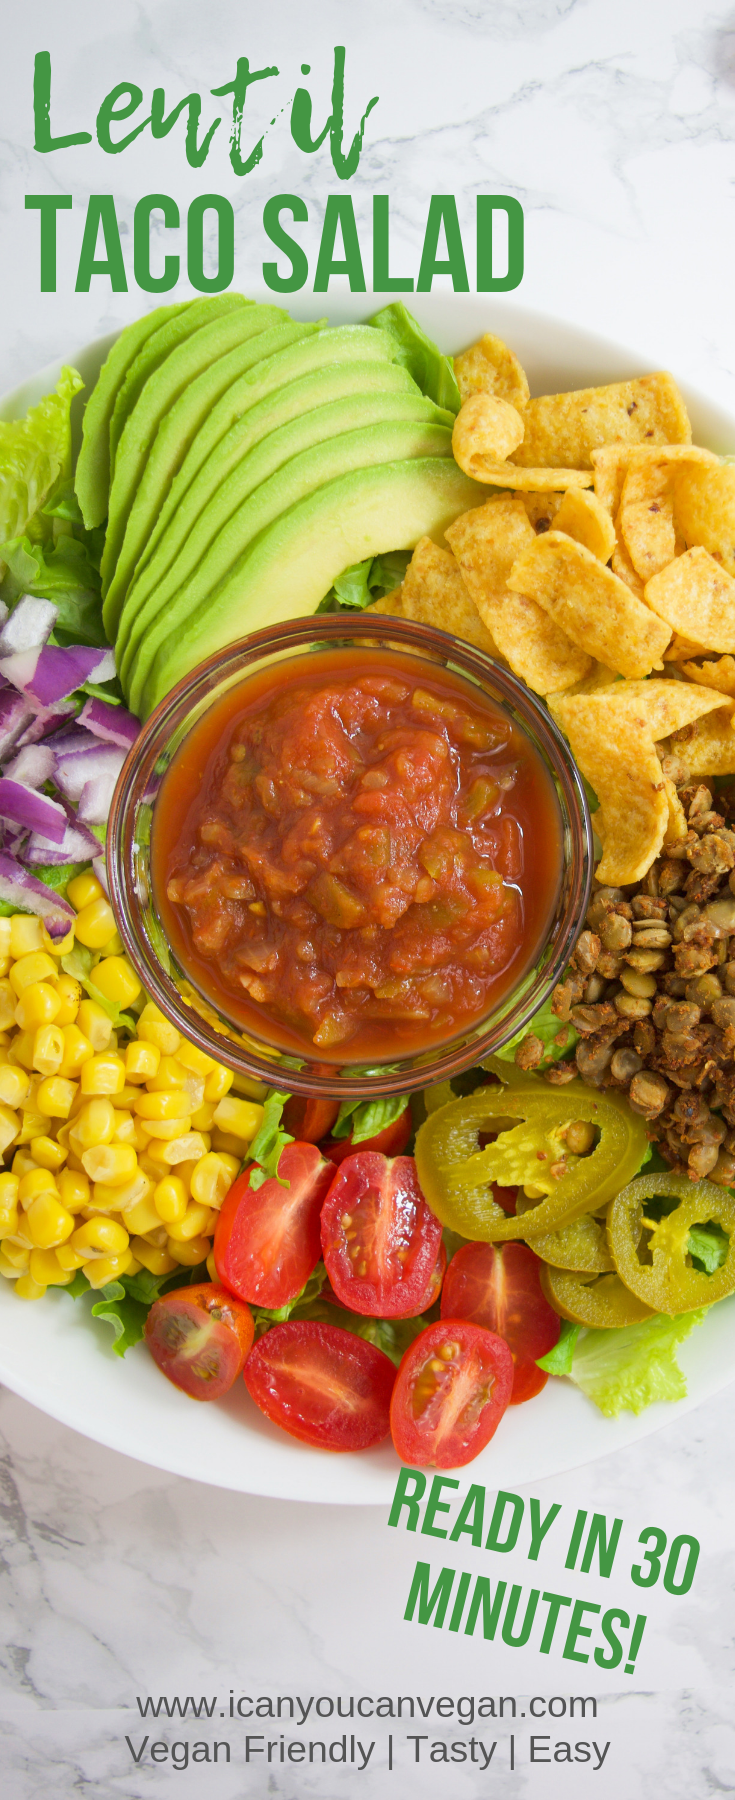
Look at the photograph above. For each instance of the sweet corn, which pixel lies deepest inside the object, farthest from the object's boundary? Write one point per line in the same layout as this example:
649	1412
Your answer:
190	1254
251	1090
48	1050
68	1258
74	1189
212	1267
26	934
116	1199
9	1220
154	1028
212	1179
4	942
8	999
10	1126
182	1149
170	1199
194	1059
95	924
14	1084
167	1105
77	1050
158	1262
218	1083
38	1005
23	1162
18	1255
36	1181
103	1236
111	1163
141	1218
69	994
57	947
48	1221
30	969
195	1223
103	1074
95	1124
32	1125
48	1152
7	1269
107	1268
170	1074
241	1118
96	1024
227	1145
117	980
55	1096
125	1128
83	890
28	1289
202	1119
46	1270
141	1061
163	1129
9	1184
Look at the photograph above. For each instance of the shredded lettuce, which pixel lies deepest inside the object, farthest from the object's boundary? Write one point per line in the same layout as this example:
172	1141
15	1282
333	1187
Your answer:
627	1369
34	452
558	1361
271	1139
62	573
432	372
361	1119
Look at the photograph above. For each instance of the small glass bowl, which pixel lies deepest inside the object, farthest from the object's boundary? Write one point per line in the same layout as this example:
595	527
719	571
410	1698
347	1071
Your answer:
128	858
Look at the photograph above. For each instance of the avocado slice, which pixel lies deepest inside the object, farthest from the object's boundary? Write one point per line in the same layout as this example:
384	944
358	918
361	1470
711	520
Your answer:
349	413
157	347
293	563
172	439
92	478
339	344
163	387
303	475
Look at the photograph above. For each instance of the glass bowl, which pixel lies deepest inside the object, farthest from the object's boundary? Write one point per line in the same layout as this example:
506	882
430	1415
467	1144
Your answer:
128	859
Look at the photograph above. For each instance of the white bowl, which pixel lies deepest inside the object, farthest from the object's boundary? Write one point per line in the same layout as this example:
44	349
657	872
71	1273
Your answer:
55	1355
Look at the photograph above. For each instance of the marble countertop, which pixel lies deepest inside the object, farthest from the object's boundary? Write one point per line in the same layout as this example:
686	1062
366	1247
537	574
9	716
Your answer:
615	127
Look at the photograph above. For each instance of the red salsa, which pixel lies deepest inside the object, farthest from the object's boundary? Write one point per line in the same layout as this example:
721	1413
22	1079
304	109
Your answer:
357	855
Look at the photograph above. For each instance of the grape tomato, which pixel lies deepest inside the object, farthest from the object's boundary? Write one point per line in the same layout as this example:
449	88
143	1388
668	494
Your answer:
200	1336
499	1286
451	1391
380	1242
266	1241
322	1384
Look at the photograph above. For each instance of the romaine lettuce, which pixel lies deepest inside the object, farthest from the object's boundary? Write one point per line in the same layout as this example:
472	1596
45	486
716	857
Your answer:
34	452
627	1369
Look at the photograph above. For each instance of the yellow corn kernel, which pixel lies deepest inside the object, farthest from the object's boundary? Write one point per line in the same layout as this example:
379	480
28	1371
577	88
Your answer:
25	935
18	1255
211	1180
117	980
140	1137
9	1184
69	1259
194	1059
74	1189
23	1162
198	1221
212	1267
55	1096
241	1118
202	1119
48	1050
125	1129
5	951
141	1061
217	1083
141	1218
127	1095
48	1221
95	924
154	1028
102	1235
7	1269
111	1163
157	1261
77	1050
69	994
38	1005
10	1127
107	1268
109	1198
169	1074
36	1181
8	999
28	1289
14	1084
227	1145
168	1105
149	1167
58	946
45	1268
32	1125
20	1052
95	1123
103	1074
249	1088
162	1130
31	969
170	1199
83	890
9	1221
96	1025
191	1146
48	1153
195	1251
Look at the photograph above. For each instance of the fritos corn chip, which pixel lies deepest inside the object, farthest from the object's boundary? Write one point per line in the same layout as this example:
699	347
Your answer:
392	604
595	609
490	367
485	429
542	509
582	516
486	543
434	593
696	597
719	675
610	463
705	511
706	747
682	649
564	429
623	568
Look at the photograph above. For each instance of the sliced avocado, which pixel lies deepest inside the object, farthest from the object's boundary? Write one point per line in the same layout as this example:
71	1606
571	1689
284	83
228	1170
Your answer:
303	475
171	442
346	415
342	344
163	387
158	347
293	563
92	478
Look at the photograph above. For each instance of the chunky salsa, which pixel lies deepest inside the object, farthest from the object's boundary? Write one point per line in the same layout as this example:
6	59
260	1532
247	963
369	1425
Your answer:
356	853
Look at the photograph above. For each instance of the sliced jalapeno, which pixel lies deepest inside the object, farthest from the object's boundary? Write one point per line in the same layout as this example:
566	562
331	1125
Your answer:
653	1256
581	1245
598	1301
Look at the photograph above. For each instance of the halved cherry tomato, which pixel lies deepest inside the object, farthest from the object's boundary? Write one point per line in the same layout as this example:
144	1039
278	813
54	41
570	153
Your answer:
266	1240
434	1288
322	1384
390	1142
506	1197
200	1337
379	1240
499	1286
309	1120
451	1391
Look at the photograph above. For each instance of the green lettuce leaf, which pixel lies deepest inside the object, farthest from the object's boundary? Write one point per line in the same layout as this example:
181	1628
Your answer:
558	1361
34	452
432	372
392	1336
63	574
547	1027
365	1118
366	581
625	1370
271	1139
124	1305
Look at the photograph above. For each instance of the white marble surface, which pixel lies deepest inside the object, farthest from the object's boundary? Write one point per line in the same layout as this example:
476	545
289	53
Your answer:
614	125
